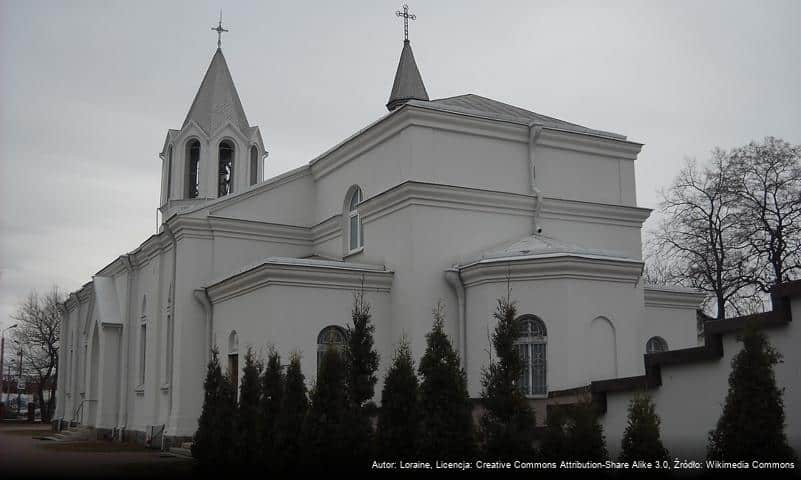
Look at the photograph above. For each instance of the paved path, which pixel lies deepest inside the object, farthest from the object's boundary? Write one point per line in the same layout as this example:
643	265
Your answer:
22	455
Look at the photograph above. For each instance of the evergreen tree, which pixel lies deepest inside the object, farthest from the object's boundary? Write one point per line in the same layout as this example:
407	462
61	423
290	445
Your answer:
248	418
213	444
327	439
574	433
445	410
752	423
289	424
272	392
641	440
508	424
585	434
360	364
554	441
361	358
398	422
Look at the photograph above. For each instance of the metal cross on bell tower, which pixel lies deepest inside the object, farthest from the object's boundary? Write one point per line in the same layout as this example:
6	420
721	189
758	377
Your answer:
406	17
219	29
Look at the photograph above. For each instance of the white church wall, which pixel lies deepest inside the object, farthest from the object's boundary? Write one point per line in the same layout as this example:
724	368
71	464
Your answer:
601	235
375	170
282	316
287	200
591	327
147	297
193	269
691	397
671	314
232	254
454	158
419	243
581	176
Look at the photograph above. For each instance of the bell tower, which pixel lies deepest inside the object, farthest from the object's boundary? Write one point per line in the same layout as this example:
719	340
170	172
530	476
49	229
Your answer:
216	152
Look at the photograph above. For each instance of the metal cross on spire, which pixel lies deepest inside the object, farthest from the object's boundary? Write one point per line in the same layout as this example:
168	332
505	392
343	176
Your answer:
219	29
406	17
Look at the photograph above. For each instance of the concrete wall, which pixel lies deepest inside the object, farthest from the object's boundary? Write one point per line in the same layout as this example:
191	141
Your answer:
692	396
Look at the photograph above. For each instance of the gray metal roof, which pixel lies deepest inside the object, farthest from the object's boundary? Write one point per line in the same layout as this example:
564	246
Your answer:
217	102
487	107
408	82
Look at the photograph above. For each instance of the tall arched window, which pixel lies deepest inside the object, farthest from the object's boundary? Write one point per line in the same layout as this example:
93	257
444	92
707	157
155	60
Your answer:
192	169
532	347
226	169
233	358
169	173
355	240
329	337
254	165
656	344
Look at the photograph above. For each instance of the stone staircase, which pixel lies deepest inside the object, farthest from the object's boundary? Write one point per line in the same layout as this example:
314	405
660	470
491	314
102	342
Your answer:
72	434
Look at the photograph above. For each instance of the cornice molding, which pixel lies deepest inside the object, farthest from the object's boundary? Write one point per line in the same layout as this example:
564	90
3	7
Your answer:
607	147
446	196
667	298
346	277
226	227
602	213
560	266
328	229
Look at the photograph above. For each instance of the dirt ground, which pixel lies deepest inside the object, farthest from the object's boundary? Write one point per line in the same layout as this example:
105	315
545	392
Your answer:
23	455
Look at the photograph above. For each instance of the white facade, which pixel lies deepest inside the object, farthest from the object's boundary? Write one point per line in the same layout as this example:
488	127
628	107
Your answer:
460	197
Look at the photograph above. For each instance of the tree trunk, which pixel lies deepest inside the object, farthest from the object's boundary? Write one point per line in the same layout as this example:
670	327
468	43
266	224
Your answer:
42	406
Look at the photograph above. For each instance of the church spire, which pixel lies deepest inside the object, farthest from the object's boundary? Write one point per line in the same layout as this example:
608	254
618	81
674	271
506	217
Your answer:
408	82
217	101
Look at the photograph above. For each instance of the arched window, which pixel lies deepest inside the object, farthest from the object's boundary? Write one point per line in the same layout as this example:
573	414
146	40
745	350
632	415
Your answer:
532	347
656	344
226	169
329	337
355	240
169	173
192	169
254	165
233	358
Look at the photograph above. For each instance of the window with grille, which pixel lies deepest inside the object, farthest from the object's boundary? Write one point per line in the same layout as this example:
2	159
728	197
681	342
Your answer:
532	345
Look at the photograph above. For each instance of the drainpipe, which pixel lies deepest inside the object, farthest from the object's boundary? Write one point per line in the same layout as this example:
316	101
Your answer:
534	131
454	278
202	296
122	419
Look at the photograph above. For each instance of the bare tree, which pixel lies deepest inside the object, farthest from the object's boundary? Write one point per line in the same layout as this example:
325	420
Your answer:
697	241
765	179
39	326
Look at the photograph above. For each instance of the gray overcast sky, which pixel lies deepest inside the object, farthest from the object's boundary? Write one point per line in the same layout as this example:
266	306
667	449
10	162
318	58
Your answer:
89	88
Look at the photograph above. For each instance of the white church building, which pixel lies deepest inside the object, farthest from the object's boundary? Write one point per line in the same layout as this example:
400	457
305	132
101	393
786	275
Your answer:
450	198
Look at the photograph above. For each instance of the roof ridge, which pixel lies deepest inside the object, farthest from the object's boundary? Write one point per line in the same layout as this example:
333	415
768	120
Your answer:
487	105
